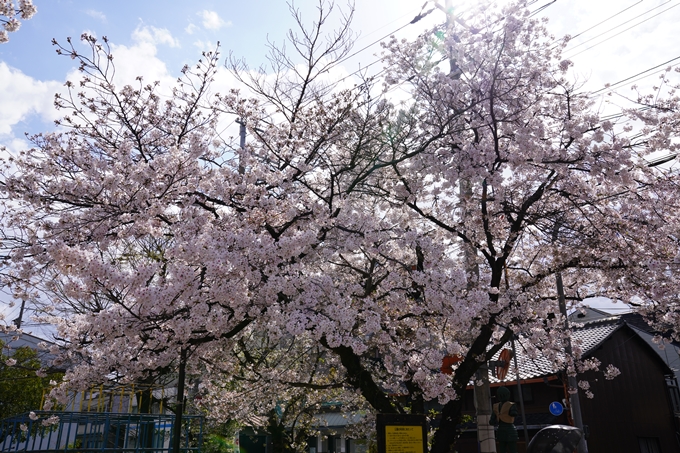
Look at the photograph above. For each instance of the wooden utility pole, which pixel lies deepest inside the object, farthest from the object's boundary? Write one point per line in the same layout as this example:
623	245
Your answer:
242	143
19	320
574	400
486	436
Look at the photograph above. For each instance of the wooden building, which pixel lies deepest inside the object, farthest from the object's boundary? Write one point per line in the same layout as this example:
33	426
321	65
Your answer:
636	412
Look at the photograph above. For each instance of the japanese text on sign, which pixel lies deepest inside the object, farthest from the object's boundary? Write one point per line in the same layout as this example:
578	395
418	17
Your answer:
404	439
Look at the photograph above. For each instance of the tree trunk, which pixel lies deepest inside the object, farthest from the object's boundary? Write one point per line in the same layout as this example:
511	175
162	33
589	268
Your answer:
179	411
447	434
146	428
277	431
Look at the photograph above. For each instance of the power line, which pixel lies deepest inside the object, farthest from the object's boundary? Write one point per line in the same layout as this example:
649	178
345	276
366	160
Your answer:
399	19
416	19
533	13
423	14
633	76
617	26
622	31
372	44
607	19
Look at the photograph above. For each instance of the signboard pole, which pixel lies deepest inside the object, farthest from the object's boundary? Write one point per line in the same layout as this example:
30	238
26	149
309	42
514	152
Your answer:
521	395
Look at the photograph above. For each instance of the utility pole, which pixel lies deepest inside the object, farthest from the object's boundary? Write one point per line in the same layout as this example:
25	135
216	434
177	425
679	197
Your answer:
486	436
520	393
19	320
242	143
574	399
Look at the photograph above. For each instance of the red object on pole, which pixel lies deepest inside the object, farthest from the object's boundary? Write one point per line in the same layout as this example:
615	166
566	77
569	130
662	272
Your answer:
448	362
502	371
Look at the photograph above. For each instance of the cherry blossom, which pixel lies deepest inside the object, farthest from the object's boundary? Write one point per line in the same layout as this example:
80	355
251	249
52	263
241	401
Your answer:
11	12
370	238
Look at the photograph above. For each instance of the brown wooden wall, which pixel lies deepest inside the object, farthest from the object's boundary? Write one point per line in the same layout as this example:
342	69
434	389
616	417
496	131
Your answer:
633	405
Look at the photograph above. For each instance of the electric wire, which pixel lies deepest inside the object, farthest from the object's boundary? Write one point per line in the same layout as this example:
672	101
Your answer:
617	34
416	19
608	87
399	19
533	13
371	44
615	27
632	79
542	8
606	20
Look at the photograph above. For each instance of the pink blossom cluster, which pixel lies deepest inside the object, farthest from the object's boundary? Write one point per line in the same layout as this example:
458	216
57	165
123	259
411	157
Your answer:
10	12
354	242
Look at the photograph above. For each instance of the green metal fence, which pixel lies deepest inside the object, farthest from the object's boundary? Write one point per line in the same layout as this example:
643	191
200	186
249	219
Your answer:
86	432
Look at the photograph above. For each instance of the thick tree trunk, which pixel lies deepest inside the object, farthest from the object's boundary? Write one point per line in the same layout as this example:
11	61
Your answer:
449	425
144	406
447	434
277	431
361	379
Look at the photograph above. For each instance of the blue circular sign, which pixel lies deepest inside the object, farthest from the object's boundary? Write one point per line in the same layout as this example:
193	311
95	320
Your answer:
556	408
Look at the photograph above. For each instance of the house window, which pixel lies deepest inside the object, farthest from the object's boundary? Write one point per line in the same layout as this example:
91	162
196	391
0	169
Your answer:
649	445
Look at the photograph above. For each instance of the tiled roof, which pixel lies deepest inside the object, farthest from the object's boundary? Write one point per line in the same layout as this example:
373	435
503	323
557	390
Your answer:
537	365
586	314
594	333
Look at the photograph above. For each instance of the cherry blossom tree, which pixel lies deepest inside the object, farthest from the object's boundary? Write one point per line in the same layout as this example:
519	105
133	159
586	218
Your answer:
284	384
497	179
383	236
10	12
535	184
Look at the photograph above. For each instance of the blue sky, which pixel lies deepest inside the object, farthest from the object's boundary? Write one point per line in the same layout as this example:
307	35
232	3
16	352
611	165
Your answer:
155	38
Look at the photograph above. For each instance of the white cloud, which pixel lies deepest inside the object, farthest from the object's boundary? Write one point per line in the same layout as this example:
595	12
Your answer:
204	45
191	28
24	99
22	96
212	20
153	35
141	59
96	14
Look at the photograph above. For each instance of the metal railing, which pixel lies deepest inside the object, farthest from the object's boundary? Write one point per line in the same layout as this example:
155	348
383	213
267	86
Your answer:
86	432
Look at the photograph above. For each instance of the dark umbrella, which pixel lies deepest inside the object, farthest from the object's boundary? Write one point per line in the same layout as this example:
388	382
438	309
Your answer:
555	439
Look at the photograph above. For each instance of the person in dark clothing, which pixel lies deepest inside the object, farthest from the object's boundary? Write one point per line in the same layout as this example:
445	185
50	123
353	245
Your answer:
504	413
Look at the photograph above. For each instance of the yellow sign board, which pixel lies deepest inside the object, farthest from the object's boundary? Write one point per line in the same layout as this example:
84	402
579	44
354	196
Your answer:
404	439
